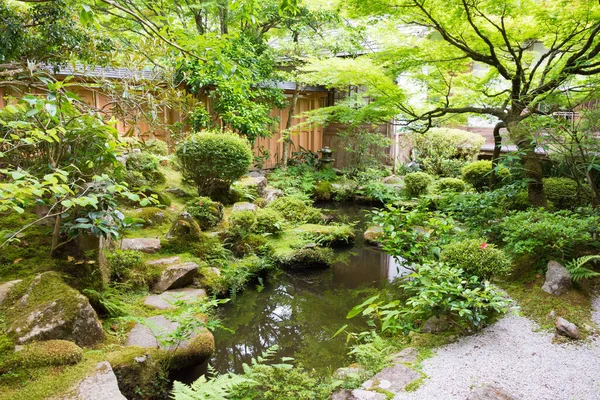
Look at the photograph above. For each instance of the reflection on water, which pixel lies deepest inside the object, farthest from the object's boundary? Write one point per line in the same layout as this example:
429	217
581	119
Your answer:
301	311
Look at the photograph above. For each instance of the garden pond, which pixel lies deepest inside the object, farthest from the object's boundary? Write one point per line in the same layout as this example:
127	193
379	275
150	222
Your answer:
301	310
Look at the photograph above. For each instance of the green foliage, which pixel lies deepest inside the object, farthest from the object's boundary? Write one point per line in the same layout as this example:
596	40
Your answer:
476	257
327	235
147	165
478	174
268	221
127	267
544	235
295	210
322	191
46	353
417	183
413	235
372	352
156	147
151	216
213	160
365	149
450	185
234	276
578	271
439	145
206	212
241	222
302	179
562	192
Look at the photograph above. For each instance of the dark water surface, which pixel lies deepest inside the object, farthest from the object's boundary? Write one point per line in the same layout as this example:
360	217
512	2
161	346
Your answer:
300	311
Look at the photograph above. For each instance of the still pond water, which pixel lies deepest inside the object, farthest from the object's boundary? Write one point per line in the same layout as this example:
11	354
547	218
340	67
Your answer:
300	311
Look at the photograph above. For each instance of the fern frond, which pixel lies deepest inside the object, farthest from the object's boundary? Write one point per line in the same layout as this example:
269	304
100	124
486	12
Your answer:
578	271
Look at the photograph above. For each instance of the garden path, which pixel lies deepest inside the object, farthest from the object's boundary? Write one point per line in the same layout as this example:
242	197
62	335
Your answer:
515	356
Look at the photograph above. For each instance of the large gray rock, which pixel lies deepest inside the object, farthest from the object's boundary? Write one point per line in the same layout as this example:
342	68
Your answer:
50	309
357	394
185	227
436	324
102	385
408	355
272	194
488	392
566	328
243	206
145	245
176	276
255	184
392	379
197	347
164	261
167	300
558	279
373	234
6	287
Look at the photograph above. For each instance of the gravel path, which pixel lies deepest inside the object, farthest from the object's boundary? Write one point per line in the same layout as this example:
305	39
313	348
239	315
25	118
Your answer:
515	358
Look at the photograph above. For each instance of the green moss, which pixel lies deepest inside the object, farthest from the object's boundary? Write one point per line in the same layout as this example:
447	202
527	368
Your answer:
323	191
51	352
152	216
575	305
295	210
327	235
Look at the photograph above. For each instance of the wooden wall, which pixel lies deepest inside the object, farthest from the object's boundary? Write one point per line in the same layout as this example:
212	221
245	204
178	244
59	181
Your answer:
338	144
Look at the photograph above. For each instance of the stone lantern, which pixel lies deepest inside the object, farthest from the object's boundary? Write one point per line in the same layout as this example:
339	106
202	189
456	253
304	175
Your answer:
326	160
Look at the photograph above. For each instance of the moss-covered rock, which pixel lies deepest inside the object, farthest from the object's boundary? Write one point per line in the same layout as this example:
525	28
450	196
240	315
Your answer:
141	372
306	257
206	212
373	234
296	211
252	185
50	309
185	227
152	216
326	235
50	352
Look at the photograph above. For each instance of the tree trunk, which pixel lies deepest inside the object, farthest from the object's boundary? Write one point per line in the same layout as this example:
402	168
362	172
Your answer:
287	140
532	163
496	154
223	12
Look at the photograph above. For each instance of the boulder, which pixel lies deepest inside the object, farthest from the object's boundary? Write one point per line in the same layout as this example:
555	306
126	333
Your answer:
101	385
408	355
195	349
167	300
185	227
177	192
49	352
6	287
243	206
50	309
436	324
164	261
357	394
145	245
558	279
254	184
488	392
272	194
373	234
566	328
392	379
176	276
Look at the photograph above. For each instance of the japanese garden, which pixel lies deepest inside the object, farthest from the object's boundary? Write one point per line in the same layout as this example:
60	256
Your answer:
299	199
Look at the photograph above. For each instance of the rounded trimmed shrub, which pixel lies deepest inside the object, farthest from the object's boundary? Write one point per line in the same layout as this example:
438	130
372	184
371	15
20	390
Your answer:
416	183
476	257
450	185
562	192
478	174
157	146
147	164
268	221
295	210
242	221
213	160
206	212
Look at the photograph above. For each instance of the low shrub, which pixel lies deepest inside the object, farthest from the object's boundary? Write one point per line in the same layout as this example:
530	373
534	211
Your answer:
306	257
147	164
450	185
417	183
152	216
562	192
241	222
322	191
478	174
268	221
156	147
213	160
206	212
476	257
234	276
123	264
544	235
295	210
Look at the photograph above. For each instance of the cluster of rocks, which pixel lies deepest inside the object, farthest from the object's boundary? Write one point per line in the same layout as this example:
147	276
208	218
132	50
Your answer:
558	282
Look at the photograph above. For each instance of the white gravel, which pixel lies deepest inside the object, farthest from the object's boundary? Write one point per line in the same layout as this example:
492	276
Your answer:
514	356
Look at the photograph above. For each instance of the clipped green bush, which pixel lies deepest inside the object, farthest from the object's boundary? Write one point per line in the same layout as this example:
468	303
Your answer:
268	221
242	221
416	183
450	185
295	210
478	174
562	192
147	164
213	160
206	212
157	147
476	257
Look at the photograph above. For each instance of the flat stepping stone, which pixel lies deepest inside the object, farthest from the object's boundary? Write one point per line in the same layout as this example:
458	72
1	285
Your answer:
392	379
407	355
167	300
243	206
6	287
489	392
102	385
164	261
176	276
357	394
144	245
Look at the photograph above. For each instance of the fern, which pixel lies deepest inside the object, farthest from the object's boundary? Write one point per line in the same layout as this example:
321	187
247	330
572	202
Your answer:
578	271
